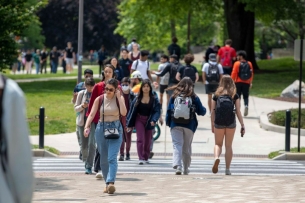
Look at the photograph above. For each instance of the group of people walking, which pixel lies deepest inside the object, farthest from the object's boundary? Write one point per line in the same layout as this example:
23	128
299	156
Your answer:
125	99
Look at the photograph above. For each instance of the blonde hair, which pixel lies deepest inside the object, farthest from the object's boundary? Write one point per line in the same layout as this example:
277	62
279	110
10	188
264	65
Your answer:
226	87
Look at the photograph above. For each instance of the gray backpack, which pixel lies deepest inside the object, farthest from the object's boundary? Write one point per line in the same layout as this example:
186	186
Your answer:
183	109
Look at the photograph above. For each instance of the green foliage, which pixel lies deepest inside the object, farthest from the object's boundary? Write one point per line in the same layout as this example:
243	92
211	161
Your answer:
278	118
47	148
293	150
15	16
32	37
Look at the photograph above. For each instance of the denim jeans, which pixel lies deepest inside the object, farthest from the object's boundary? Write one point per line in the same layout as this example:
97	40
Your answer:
54	66
87	145
108	149
37	65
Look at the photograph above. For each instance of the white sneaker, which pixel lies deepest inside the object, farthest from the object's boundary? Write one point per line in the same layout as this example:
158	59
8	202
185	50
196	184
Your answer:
228	172
141	162
99	175
178	170
147	161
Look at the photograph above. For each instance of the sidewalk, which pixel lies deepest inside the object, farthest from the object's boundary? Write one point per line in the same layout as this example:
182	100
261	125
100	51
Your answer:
170	188
256	141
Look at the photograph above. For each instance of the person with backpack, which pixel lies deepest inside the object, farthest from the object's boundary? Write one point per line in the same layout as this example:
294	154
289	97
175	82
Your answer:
242	75
223	122
144	113
188	70
109	130
81	108
128	98
174	48
211	75
142	65
181	118
226	56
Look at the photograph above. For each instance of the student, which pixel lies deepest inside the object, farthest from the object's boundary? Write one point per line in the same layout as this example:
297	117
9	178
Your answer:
54	56
125	63
44	57
142	65
81	108
211	75
117	69
242	75
225	56
111	107
69	57
37	60
128	98
165	79
134	53
182	130
188	70
102	56
223	120
144	112
28	62
174	48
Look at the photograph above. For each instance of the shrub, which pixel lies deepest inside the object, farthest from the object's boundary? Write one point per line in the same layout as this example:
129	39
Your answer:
278	118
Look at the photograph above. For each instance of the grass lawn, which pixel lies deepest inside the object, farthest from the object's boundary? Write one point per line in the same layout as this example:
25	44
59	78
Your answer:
276	153
50	149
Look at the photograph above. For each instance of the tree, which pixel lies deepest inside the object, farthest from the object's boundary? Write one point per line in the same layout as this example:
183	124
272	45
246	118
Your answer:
15	16
60	24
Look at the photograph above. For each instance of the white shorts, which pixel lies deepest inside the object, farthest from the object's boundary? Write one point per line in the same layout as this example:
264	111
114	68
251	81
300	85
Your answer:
69	61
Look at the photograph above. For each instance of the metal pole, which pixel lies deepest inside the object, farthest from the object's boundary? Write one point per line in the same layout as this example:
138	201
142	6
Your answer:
300	95
80	40
41	127
287	130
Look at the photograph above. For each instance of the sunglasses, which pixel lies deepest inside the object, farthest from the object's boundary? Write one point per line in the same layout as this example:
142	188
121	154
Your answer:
109	89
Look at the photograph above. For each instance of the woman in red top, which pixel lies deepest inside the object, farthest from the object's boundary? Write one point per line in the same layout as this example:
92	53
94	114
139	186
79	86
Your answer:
135	53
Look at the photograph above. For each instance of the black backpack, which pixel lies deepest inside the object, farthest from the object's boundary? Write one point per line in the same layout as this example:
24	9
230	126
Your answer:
173	72
213	75
224	112
189	71
245	71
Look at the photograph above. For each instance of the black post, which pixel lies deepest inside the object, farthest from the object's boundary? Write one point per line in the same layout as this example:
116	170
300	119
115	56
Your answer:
41	127
300	95
287	130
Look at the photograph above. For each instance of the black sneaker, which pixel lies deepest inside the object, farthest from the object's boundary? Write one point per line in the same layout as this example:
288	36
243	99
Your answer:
151	154
121	158
127	157
80	155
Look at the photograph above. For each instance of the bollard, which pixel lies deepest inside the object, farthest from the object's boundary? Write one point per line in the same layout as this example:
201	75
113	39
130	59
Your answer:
287	130
41	127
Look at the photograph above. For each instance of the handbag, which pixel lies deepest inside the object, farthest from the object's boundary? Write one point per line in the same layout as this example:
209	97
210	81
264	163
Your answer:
109	133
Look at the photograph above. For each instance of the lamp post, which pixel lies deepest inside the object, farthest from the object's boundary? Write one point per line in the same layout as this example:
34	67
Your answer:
80	40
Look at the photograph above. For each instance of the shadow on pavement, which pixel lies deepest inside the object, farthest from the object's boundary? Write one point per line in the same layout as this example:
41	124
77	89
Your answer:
45	184
129	194
128	179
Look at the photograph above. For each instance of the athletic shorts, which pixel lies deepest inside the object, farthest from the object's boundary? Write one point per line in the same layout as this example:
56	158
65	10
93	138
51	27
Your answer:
162	88
69	61
210	88
233	125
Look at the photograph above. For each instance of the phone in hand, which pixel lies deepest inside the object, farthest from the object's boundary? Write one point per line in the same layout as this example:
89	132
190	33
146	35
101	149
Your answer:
242	132
87	131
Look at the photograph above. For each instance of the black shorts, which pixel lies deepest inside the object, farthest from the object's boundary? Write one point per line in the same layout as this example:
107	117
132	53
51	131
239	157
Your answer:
210	88
162	88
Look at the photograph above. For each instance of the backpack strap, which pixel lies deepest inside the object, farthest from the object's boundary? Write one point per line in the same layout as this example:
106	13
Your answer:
147	65
137	63
3	146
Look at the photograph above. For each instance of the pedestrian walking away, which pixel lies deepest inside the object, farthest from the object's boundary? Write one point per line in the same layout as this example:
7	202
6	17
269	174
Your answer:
226	56
164	80
242	75
54	57
188	70
109	131
143	115
81	108
44	57
98	90
211	75
223	122
128	98
174	48
181	117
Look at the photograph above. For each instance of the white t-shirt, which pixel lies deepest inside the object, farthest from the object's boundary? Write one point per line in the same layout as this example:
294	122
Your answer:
205	68
164	80
143	67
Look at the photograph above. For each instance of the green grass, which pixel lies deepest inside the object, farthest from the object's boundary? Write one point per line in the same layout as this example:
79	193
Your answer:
271	155
274	76
47	148
278	118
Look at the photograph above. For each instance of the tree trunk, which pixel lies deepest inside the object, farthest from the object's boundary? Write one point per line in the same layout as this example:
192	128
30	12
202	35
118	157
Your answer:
173	28
240	24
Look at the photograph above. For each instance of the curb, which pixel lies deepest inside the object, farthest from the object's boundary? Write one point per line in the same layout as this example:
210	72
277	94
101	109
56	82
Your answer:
266	125
290	156
42	153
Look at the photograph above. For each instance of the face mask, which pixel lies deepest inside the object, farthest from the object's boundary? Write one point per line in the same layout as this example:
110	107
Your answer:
125	88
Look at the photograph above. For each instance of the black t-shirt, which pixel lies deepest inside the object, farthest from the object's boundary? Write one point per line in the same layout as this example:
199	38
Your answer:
54	56
174	49
144	109
182	75
125	64
69	52
28	57
43	55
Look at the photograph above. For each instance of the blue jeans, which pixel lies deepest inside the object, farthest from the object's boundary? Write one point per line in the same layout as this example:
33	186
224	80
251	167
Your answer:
87	145
108	149
37	65
54	67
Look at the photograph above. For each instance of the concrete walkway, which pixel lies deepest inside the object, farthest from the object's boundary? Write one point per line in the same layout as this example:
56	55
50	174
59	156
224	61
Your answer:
256	141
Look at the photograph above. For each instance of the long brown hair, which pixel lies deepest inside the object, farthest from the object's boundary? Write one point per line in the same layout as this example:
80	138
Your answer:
184	87
226	87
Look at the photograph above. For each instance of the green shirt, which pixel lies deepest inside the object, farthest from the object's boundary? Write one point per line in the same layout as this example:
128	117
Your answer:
37	58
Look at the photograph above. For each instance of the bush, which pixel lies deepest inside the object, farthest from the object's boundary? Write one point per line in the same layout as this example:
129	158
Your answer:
278	118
